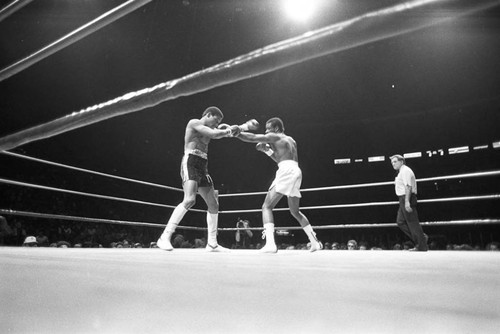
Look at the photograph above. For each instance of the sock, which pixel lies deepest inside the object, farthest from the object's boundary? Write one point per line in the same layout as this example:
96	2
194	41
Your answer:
174	220
269	228
310	233
212	221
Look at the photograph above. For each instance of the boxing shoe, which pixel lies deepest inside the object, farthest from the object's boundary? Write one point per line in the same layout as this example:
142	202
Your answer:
269	248
416	249
164	244
216	249
315	246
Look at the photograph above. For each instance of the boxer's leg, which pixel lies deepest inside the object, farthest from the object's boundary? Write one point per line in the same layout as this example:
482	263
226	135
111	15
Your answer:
272	198
190	189
294	205
208	194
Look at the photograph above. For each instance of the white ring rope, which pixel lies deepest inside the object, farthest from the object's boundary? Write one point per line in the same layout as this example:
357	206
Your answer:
73	192
335	206
12	7
72	37
364	29
351	186
347	186
358	205
322	227
371	225
17	155
376	184
88	219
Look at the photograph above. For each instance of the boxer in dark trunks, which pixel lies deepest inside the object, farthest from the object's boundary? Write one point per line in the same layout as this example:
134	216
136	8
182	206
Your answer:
195	177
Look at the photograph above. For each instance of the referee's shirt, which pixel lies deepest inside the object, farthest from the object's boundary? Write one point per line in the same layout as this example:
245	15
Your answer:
405	177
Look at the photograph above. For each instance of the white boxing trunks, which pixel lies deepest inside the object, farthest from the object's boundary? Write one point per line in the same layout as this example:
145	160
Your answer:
288	179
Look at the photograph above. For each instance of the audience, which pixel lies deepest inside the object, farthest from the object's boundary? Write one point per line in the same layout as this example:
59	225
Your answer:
83	235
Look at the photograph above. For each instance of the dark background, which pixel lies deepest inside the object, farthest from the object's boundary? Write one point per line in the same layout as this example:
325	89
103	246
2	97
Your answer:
432	89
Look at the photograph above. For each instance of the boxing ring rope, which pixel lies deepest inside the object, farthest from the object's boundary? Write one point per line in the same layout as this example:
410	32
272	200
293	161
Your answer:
11	8
367	28
72	37
358	205
376	184
372	225
17	155
88	219
336	206
348	186
193	228
352	186
73	192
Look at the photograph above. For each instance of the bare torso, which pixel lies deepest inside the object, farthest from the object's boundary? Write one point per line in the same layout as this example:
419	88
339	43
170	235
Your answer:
285	148
193	139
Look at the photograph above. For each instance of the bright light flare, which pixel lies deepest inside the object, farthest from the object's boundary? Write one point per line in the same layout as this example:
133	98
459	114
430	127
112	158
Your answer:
300	10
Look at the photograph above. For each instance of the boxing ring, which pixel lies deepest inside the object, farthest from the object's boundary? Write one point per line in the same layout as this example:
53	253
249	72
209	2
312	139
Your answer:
191	291
51	290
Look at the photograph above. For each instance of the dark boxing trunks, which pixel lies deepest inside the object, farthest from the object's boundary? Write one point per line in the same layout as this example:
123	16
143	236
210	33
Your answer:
194	166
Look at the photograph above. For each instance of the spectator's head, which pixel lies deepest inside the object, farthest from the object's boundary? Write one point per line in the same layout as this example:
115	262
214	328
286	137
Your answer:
198	243
178	240
396	247
335	246
465	247
493	246
63	244
352	245
153	245
408	245
433	245
30	242
363	246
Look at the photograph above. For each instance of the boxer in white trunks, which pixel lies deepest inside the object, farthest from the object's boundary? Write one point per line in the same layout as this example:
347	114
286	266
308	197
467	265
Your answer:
282	149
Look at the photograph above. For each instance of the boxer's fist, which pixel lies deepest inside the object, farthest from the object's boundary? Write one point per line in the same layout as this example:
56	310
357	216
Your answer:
250	125
235	130
262	147
223	126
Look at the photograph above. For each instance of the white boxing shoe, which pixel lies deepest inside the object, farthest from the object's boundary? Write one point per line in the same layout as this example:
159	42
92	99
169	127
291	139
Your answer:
164	244
269	248
216	249
315	246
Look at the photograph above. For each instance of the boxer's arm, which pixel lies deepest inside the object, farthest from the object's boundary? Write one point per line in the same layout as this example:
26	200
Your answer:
257	138
237	129
209	132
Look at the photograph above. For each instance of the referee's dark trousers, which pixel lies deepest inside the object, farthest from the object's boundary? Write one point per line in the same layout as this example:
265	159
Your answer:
409	223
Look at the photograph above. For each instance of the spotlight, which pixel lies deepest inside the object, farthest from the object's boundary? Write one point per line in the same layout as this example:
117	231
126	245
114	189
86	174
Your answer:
299	10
